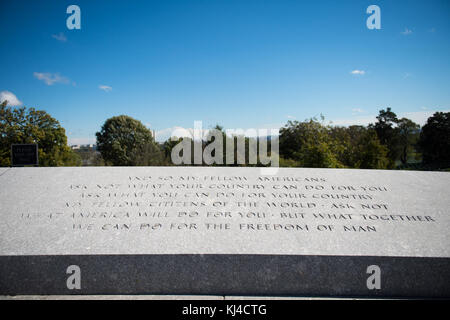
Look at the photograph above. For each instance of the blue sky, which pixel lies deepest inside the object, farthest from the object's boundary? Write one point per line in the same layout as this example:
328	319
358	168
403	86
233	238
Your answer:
242	64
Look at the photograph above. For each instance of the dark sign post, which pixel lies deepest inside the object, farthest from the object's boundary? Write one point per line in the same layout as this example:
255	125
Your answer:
24	155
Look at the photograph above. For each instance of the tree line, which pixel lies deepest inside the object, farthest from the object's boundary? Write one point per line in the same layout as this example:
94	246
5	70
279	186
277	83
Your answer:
389	143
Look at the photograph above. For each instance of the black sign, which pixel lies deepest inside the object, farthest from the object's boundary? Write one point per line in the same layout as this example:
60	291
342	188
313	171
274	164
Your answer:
24	154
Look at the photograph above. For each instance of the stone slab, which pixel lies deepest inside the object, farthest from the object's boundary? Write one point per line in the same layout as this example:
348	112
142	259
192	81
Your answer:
224	231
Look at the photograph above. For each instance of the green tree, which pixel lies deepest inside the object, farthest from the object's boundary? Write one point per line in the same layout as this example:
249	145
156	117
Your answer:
291	139
167	147
316	145
22	125
342	139
435	139
369	153
210	141
289	163
310	144
385	128
237	141
408	135
124	141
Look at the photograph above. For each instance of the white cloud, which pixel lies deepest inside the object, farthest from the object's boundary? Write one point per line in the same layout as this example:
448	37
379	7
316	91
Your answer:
407	75
406	32
358	72
10	97
179	132
290	117
419	117
105	88
60	37
81	141
163	135
357	110
51	78
361	121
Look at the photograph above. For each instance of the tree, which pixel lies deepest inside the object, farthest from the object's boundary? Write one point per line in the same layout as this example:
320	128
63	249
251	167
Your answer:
342	139
210	145
290	139
124	141
167	147
398	135
408	134
22	125
370	153
435	139
313	144
359	147
310	144
387	133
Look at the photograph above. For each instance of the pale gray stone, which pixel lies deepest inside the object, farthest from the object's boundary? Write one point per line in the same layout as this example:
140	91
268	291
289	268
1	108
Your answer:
43	208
